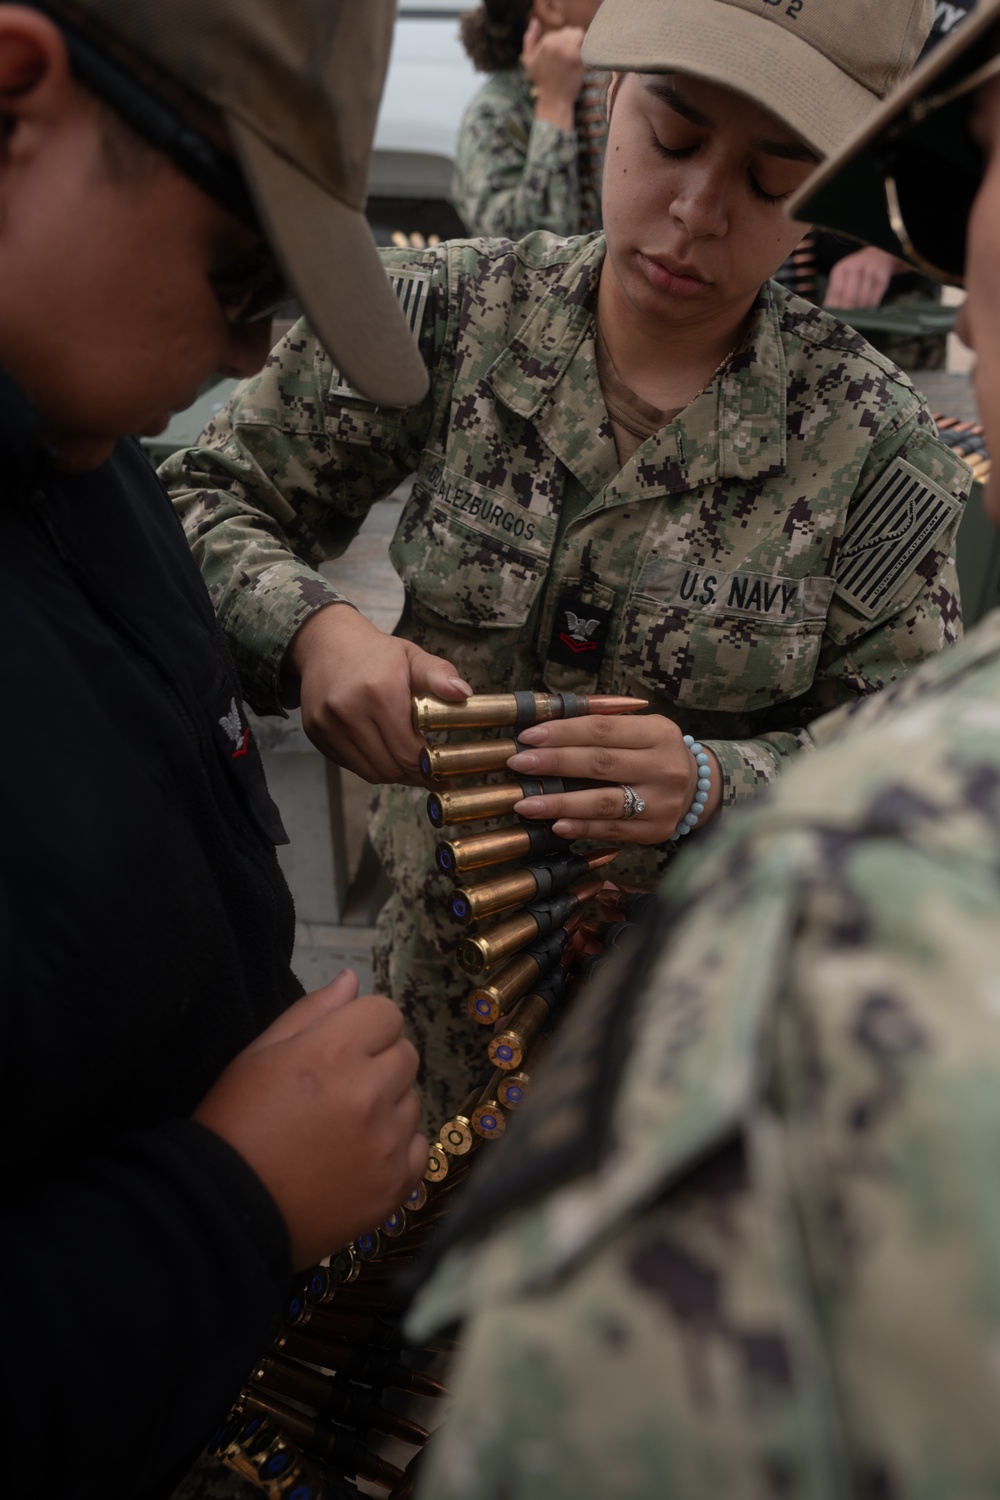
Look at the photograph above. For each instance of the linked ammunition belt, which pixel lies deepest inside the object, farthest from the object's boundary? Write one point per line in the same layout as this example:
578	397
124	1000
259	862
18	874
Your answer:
327	1394
968	440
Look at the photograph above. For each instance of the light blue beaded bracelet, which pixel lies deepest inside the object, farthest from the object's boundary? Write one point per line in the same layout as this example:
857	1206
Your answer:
701	760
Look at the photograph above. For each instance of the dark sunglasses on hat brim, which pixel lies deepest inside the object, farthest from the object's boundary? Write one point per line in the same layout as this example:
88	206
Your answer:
931	171
250	286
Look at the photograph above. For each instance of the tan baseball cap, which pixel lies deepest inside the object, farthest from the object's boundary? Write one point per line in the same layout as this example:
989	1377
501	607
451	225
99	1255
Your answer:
298	85
918	138
818	66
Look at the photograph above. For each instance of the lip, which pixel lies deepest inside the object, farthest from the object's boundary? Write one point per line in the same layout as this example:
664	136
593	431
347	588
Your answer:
673	276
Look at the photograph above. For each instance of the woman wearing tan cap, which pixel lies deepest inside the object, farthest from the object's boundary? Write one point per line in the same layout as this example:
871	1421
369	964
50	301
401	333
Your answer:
775	1271
641	468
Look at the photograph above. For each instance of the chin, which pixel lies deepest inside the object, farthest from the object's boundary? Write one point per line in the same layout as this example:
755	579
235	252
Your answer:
79	455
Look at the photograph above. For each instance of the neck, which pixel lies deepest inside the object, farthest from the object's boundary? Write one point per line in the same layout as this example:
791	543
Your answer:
667	364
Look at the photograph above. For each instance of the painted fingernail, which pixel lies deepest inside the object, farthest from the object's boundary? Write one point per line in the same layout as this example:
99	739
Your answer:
461	684
534	736
523	761
530	807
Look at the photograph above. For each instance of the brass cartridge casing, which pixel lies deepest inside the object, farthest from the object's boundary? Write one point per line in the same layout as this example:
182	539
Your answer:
417	1199
457	1136
368	1246
488	1120
503	710
476	802
395	1225
491	1001
469	903
438	1162
480	953
454	856
514	1089
509	1048
466	760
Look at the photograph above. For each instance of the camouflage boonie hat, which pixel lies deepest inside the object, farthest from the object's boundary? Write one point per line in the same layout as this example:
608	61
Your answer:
298	85
818	66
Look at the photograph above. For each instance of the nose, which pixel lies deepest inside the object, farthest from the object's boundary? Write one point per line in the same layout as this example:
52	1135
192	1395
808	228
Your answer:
249	346
701	205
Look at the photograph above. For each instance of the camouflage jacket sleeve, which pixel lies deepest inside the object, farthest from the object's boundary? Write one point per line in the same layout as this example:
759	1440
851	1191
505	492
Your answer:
867	643
781	1276
284	476
513	173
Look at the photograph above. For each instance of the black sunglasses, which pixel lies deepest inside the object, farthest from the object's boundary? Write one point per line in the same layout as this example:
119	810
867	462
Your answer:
250	286
924	167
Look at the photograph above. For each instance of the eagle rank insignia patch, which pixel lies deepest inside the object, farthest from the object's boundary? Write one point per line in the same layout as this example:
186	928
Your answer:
579	633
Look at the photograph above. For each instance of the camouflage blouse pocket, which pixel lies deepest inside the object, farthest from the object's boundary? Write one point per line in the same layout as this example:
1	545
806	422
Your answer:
732	642
469	573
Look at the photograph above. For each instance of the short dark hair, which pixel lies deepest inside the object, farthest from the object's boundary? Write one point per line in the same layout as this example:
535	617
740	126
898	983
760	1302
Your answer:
493	35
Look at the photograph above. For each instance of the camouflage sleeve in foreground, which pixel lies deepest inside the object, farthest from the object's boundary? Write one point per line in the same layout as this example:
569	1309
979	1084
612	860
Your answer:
513	173
868	646
284	476
779	1275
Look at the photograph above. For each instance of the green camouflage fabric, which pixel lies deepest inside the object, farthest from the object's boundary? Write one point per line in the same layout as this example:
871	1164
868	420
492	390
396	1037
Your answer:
772	1267
783	547
515	174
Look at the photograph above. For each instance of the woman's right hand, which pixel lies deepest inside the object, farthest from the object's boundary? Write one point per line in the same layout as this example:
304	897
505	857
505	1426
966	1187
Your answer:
553	60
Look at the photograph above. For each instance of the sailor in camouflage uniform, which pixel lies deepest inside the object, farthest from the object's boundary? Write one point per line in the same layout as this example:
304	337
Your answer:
531	144
776	546
752	1250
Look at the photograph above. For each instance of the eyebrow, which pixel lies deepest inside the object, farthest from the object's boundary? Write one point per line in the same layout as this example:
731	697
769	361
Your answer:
664	90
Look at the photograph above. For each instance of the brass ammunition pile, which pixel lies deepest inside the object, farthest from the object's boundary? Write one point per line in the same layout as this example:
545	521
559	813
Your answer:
968	440
313	1412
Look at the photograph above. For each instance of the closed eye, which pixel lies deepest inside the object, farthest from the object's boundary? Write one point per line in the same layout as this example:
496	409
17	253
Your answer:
671	153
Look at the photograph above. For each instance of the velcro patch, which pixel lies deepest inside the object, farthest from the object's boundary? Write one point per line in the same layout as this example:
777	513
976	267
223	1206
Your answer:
887	534
411	293
579	633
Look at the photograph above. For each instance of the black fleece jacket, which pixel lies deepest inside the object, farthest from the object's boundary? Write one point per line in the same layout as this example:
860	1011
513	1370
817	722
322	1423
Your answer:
145	931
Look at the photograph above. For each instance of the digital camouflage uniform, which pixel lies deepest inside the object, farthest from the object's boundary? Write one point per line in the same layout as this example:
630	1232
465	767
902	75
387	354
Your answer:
754	1250
783	547
515	174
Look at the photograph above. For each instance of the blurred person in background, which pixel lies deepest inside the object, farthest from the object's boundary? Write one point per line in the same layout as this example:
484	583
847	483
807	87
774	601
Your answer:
642	467
845	276
531	146
181	1130
742	1241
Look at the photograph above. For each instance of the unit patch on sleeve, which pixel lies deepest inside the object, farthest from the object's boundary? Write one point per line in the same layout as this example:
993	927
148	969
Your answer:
411	291
888	532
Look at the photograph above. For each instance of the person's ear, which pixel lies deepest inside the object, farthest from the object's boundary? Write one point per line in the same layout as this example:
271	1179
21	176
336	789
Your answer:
612	93
35	78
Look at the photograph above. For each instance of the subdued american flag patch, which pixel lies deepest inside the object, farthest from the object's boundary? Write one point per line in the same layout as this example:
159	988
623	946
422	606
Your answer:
888	532
411	292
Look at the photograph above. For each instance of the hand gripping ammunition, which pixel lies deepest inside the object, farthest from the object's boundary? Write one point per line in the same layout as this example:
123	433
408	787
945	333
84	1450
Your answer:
532	1014
477	954
546	878
493	801
514	710
454	856
473	759
491	1001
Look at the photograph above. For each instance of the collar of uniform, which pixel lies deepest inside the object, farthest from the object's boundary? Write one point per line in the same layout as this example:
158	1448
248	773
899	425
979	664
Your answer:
25	454
539	354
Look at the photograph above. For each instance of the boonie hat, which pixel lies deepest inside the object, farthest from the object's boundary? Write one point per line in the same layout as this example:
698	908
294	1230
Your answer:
298	84
819	66
918	143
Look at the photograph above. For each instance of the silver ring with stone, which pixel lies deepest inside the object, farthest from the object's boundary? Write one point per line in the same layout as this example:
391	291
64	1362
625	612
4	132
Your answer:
634	804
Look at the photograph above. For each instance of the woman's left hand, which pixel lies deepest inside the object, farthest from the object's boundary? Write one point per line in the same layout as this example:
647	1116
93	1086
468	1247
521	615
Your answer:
645	752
